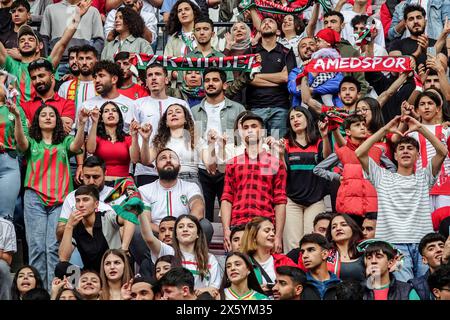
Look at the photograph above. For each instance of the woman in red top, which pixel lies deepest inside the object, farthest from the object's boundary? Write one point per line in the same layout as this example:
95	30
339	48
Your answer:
108	141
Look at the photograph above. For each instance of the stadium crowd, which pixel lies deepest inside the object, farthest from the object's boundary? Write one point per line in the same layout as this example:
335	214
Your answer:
129	139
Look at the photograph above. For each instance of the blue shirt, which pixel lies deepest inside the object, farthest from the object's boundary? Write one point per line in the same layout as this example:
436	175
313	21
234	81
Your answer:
322	286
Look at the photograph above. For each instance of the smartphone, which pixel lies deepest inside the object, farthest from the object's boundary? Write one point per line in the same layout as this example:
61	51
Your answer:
431	51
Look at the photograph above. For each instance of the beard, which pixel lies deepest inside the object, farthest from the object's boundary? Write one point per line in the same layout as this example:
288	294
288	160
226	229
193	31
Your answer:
105	89
170	174
43	88
213	94
76	72
28	53
85	73
268	34
417	33
351	103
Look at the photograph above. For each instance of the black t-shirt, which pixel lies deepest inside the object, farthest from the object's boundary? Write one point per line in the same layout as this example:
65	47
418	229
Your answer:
5	20
408	46
271	62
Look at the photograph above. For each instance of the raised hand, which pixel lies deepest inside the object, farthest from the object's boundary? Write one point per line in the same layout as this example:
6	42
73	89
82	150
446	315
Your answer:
125	290
212	136
83	116
75	218
138	6
95	115
423	42
13	108
146	131
323	129
392	126
433	63
134	128
229	42
413	124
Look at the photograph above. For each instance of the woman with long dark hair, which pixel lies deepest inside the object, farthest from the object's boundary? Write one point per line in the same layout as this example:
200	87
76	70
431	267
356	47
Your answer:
176	131
180	27
25	279
291	29
239	281
190	250
303	148
48	181
344	259
128	35
108	141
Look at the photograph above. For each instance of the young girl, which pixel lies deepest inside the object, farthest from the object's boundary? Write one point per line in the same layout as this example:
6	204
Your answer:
25	279
48	181
68	294
115	272
90	285
108	141
302	149
190	249
239	281
344	259
162	265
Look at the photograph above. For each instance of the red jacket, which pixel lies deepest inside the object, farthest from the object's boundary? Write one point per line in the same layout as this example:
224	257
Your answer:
356	195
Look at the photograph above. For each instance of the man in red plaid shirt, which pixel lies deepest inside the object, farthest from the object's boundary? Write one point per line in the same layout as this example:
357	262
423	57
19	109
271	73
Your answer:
255	184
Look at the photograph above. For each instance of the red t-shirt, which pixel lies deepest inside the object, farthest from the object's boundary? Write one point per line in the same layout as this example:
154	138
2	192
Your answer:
381	294
66	108
134	92
116	156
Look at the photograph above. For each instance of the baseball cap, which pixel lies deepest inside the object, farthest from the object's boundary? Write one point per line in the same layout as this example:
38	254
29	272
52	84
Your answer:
26	29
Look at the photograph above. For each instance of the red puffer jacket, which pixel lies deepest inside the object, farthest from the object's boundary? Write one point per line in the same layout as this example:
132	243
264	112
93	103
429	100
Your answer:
356	195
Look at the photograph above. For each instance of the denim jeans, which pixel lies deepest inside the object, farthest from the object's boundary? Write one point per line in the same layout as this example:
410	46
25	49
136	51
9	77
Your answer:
274	119
40	226
9	185
413	266
5	281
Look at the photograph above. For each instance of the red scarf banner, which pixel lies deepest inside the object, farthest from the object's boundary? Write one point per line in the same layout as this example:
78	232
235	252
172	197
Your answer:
360	64
245	63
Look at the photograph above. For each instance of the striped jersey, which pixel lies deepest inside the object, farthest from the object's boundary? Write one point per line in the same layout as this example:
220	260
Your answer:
7	122
230	294
48	170
189	262
302	185
427	152
404	208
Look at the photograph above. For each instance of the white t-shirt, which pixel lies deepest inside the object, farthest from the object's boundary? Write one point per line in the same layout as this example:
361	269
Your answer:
69	203
7	236
269	268
169	202
150	110
213	115
189	158
126	105
404	207
189	262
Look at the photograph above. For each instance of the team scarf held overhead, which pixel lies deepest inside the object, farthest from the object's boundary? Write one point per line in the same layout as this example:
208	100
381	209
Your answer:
295	6
245	63
360	64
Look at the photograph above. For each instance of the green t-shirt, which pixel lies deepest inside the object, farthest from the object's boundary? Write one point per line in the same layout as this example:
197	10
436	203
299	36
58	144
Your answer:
20	70
7	123
48	170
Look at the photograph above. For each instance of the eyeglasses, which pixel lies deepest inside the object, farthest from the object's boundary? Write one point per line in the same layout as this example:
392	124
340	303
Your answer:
445	289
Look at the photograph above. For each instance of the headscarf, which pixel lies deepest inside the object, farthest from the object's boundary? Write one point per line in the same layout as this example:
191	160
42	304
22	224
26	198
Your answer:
192	92
245	44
